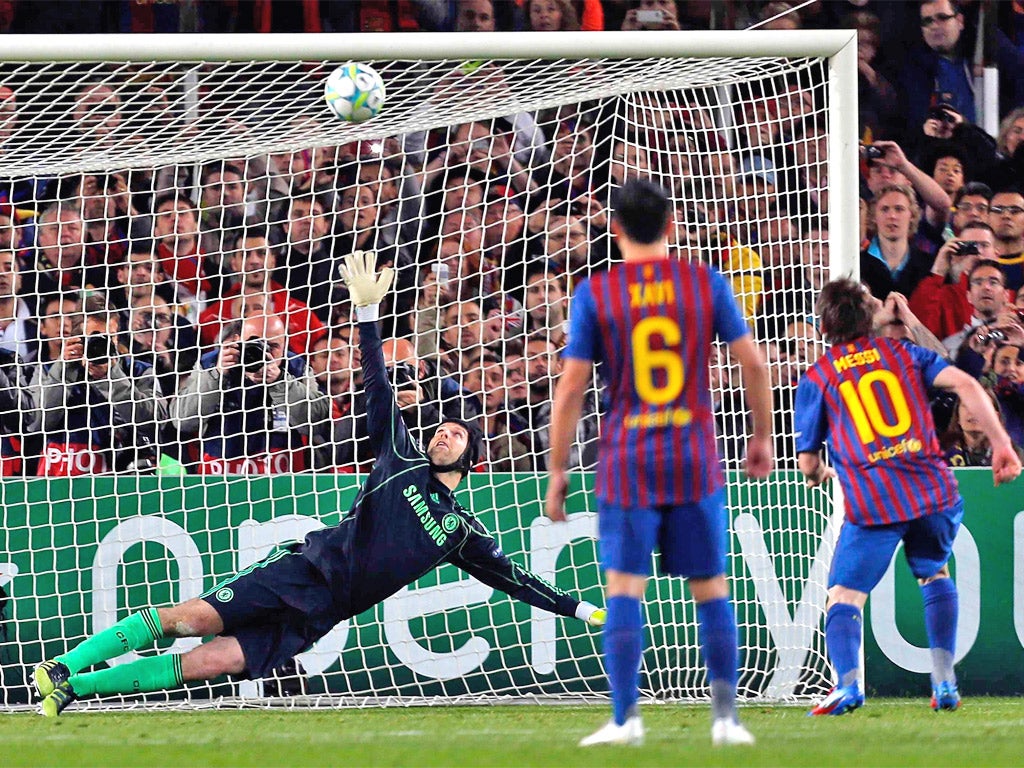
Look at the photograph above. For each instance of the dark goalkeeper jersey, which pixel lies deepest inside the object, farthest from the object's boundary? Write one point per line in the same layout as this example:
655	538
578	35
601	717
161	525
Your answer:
405	522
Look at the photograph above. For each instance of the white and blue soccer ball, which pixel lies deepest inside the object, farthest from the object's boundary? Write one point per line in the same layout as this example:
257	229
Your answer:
354	92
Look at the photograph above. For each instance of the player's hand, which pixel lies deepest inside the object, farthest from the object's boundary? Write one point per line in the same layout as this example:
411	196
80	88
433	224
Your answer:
758	462
822	475
598	618
1005	465
365	287
554	501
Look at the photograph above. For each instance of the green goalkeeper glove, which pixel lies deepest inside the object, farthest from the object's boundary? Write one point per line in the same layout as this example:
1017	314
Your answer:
598	618
366	288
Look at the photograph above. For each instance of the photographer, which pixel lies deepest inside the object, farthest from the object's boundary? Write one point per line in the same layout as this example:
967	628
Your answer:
993	320
254	406
99	410
940	299
16	412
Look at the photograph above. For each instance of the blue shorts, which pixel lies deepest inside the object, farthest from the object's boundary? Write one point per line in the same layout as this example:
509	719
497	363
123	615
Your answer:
863	552
275	609
691	538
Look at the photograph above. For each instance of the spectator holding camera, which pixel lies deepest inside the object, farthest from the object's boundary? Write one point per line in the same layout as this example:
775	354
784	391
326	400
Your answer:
940	300
253	406
60	318
993	319
652	14
99	409
888	166
1006	215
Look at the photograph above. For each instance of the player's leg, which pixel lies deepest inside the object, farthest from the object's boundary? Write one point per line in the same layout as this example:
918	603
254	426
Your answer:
862	555
626	539
220	656
194	618
928	545
694	544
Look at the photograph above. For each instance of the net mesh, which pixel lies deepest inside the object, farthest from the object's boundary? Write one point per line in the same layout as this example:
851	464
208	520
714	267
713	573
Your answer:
148	209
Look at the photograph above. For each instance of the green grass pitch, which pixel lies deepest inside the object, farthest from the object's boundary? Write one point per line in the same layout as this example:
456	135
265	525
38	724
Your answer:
892	732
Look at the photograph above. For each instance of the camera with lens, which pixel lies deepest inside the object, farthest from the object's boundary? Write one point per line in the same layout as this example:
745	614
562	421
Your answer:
968	248
942	115
253	354
989	335
99	347
404	376
873	153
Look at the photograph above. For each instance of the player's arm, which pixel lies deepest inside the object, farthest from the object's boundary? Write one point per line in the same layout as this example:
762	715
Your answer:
577	369
811	424
565	415
1005	462
731	328
482	558
384	421
758	393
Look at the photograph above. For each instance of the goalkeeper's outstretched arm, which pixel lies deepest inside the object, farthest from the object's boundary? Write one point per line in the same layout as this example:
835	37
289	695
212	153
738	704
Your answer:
481	557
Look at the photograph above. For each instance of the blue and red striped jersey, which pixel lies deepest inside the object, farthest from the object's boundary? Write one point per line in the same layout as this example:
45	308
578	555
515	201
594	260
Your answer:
650	324
867	400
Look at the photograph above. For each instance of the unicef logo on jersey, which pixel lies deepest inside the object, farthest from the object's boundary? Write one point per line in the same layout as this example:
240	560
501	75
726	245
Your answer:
450	522
225	595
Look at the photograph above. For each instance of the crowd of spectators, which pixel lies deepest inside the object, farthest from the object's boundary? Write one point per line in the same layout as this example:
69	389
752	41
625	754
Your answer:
191	318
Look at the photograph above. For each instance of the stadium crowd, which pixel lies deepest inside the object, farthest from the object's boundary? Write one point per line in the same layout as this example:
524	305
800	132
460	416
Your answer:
192	319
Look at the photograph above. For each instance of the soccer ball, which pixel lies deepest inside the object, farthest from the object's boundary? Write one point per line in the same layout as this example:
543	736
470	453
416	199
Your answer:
354	92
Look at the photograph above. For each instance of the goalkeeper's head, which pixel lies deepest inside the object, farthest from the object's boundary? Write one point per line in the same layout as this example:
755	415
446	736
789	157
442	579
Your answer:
455	447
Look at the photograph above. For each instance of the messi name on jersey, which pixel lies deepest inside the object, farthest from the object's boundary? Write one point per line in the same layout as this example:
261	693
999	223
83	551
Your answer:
855	359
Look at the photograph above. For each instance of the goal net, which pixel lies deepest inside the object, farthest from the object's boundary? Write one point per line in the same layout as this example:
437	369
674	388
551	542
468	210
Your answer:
183	387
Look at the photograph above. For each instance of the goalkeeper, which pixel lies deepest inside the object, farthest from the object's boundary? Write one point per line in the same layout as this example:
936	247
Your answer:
405	521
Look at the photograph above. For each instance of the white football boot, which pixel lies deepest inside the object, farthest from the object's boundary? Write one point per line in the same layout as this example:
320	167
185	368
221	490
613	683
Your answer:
726	732
630	732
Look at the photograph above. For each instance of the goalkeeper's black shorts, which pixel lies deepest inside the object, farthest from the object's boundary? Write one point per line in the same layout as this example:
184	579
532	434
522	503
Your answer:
275	609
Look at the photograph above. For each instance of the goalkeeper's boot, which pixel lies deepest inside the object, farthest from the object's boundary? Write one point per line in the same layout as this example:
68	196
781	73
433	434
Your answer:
58	701
48	675
945	697
629	733
726	732
842	699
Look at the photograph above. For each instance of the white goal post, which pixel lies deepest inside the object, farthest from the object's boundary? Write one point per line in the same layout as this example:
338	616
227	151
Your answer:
754	134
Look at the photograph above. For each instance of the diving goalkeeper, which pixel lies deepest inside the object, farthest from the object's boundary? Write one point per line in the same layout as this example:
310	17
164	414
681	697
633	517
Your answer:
404	522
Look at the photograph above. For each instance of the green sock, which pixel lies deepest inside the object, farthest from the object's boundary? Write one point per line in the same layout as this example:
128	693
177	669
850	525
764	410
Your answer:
150	673
130	633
